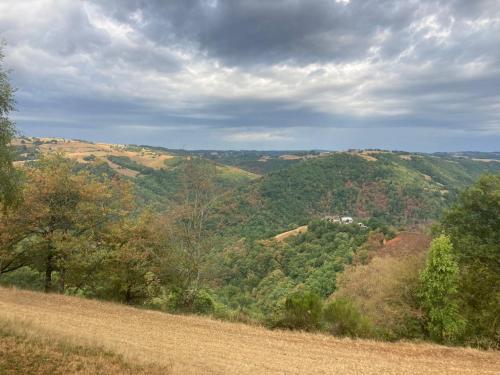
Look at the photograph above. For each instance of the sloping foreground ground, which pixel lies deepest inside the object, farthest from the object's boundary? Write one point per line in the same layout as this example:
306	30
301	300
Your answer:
195	345
24	349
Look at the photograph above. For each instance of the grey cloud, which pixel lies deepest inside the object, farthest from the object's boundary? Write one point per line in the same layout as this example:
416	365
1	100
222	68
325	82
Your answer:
307	67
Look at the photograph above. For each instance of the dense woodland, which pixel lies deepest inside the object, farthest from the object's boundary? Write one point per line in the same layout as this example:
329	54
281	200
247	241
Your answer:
196	236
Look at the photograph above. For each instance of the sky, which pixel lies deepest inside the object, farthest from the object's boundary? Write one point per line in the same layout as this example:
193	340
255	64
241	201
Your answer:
258	74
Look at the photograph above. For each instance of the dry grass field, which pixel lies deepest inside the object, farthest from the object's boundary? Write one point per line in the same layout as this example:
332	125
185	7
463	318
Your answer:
79	150
196	345
24	349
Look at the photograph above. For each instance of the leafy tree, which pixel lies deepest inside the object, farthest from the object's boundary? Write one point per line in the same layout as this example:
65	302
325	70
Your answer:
13	230
134	266
473	225
440	280
61	218
189	225
8	175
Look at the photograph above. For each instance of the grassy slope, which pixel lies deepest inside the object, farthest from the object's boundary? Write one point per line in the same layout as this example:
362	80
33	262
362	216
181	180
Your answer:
195	345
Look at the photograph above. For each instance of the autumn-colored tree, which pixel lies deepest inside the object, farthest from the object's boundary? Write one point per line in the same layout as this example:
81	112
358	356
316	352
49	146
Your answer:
13	230
62	214
140	259
385	291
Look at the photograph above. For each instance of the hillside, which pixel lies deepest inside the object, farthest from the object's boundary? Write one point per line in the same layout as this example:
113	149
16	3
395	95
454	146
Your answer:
378	187
195	345
156	172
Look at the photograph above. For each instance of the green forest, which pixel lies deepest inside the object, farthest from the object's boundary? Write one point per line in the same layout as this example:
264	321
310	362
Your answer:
197	236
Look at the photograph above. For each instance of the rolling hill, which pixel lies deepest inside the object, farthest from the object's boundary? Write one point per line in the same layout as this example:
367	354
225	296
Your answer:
373	186
263	193
95	337
156	172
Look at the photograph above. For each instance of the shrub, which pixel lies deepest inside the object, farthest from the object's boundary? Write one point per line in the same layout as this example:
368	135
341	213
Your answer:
302	310
91	157
203	302
342	318
190	301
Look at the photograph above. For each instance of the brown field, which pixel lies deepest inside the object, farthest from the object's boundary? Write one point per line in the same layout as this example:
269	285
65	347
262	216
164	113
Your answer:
291	157
196	345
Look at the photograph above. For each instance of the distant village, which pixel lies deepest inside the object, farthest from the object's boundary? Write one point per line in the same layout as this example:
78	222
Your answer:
335	219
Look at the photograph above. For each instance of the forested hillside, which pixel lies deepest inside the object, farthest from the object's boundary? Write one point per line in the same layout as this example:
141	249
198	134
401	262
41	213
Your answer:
375	187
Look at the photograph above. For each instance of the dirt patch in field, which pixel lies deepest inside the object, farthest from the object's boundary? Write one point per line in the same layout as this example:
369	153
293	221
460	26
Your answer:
283	236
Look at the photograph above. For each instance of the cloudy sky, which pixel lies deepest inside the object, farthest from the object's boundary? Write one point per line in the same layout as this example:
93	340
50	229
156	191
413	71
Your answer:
258	74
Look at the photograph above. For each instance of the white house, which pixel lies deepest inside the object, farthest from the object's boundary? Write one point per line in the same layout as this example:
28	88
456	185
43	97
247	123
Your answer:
346	220
332	219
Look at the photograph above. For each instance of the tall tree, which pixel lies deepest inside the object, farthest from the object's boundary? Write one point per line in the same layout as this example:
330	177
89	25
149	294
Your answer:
198	195
8	175
473	225
440	280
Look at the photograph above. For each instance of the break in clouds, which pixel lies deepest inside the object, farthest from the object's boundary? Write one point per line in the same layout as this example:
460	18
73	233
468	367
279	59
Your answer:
283	74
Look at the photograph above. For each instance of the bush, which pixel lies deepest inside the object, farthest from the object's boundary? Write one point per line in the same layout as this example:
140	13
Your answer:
342	318
190	301
91	157
24	277
302	310
203	302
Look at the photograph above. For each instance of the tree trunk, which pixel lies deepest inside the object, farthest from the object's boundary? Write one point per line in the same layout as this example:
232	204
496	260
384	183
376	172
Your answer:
48	272
128	295
62	274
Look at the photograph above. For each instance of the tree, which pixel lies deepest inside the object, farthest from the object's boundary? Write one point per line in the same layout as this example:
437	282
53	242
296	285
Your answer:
62	216
386	292
473	225
8	175
440	280
13	230
189	230
139	259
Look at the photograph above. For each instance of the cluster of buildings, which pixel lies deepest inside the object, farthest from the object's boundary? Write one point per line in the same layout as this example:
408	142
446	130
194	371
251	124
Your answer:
342	220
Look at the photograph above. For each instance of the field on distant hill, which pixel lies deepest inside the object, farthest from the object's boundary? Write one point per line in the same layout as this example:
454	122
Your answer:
149	341
85	152
156	172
